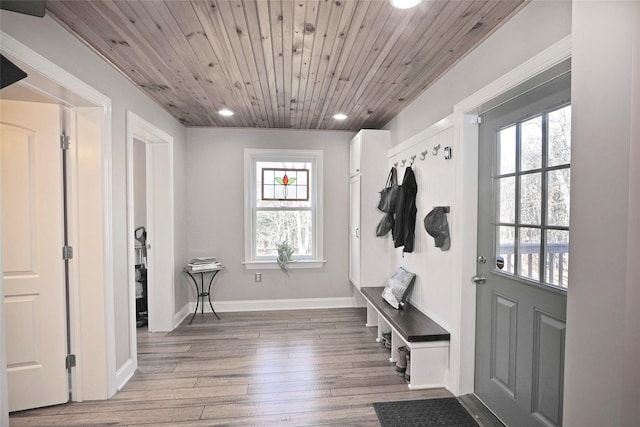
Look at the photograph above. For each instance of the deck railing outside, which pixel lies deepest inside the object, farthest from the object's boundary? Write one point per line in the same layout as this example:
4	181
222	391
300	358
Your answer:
556	270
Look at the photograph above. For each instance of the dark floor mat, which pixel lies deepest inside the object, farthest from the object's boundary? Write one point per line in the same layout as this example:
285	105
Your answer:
445	412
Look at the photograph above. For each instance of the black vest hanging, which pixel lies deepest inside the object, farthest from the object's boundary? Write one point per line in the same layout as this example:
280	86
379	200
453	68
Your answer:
404	228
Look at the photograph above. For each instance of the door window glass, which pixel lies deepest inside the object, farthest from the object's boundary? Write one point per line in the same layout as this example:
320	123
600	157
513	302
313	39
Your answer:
506	248
507	150
532	187
507	199
560	136
531	144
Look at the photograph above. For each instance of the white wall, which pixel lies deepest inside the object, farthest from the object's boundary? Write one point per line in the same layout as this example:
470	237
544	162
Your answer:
215	196
534	28
436	180
49	39
602	370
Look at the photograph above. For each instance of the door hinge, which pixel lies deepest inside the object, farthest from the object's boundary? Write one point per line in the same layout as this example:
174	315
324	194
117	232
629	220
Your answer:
67	252
70	361
64	142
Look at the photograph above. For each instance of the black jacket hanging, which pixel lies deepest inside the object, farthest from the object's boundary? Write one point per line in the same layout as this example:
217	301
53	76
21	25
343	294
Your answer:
404	228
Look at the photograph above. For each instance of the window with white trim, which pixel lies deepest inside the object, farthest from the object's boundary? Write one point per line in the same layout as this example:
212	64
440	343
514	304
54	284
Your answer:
283	195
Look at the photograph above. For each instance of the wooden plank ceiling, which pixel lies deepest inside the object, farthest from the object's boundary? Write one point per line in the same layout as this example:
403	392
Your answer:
282	63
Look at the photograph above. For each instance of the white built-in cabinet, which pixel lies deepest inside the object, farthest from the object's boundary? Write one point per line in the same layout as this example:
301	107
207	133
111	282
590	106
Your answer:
368	170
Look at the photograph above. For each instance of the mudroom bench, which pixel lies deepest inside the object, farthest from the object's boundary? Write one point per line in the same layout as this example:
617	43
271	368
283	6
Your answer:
427	341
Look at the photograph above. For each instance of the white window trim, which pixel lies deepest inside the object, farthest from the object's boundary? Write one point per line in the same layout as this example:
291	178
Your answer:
250	155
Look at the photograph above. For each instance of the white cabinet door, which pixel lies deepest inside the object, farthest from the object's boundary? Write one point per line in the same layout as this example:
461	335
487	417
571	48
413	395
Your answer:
354	232
33	274
355	155
368	254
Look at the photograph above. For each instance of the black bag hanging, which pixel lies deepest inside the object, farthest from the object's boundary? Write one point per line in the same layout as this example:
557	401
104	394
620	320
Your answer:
385	225
389	194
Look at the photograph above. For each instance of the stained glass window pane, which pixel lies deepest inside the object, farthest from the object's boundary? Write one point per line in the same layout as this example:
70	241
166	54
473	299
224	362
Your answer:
285	184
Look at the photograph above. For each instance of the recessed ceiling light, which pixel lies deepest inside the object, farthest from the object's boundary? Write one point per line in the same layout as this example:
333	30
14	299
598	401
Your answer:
340	116
404	4
225	112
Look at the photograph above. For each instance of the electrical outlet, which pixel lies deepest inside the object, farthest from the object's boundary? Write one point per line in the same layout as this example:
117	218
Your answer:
258	277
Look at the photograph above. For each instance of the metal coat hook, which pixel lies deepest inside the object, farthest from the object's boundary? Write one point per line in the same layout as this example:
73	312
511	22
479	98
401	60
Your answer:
395	165
412	159
435	150
423	154
403	162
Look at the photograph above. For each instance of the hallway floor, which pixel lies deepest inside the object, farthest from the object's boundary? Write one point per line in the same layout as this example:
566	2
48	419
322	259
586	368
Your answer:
303	367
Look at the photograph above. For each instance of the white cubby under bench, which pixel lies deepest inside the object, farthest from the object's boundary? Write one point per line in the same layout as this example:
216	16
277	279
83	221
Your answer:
427	341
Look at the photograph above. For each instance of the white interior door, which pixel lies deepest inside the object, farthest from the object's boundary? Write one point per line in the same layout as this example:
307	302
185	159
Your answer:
32	240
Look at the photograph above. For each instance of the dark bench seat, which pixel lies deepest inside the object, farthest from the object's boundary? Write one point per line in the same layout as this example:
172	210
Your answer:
411	323
427	341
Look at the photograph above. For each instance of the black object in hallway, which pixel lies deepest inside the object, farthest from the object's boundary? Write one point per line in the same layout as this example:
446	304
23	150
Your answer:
443	412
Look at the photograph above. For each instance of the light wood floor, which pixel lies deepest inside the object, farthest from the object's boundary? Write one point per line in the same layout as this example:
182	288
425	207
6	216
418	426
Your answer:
303	367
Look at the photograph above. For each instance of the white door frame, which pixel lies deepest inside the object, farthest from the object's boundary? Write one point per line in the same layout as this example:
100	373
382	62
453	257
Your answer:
4	392
90	210
461	380
160	225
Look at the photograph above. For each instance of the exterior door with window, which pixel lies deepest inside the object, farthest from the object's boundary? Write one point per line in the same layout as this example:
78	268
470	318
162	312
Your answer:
523	259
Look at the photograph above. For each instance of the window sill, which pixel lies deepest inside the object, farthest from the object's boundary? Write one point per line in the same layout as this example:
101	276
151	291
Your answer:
272	265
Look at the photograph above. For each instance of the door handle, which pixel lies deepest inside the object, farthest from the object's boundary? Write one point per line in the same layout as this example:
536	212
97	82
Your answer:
357	232
479	280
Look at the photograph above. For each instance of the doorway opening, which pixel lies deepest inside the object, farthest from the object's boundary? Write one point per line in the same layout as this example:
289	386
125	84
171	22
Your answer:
150	204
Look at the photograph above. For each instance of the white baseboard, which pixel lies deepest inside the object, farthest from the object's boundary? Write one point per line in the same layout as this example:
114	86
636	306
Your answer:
427	386
182	314
124	374
275	304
